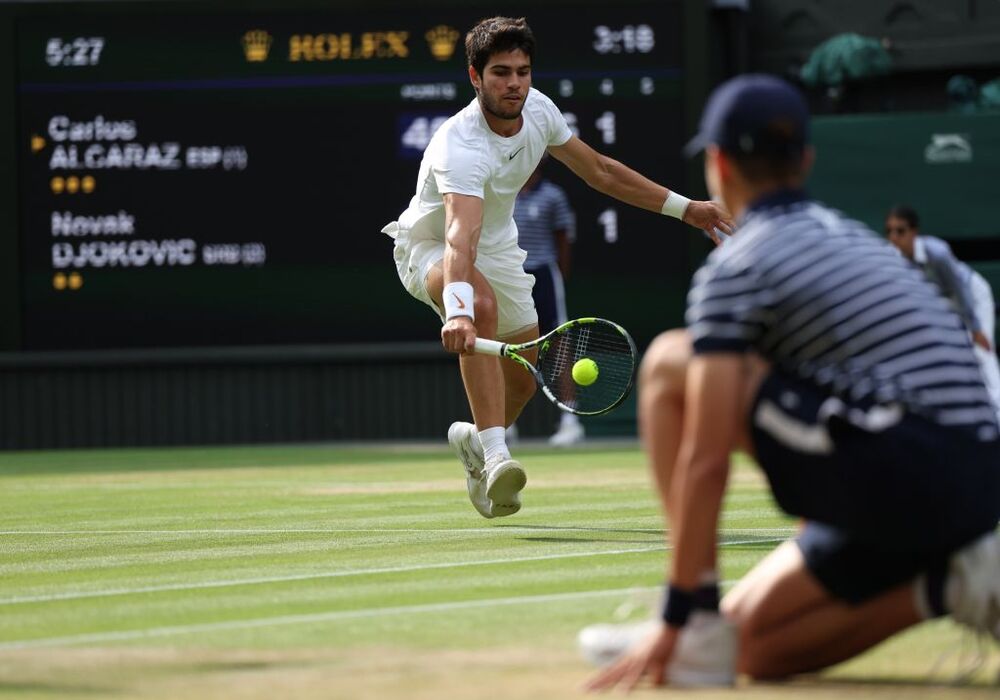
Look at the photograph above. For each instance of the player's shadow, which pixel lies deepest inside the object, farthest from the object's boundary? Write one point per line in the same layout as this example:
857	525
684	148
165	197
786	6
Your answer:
576	540
655	534
728	540
579	528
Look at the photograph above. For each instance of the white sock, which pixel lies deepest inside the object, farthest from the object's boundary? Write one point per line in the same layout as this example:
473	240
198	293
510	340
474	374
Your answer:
494	444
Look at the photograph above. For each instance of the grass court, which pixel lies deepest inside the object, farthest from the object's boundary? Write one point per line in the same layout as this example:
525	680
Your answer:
359	572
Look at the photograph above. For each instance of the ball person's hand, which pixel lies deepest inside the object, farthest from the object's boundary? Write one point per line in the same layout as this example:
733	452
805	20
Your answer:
648	658
709	216
459	335
980	339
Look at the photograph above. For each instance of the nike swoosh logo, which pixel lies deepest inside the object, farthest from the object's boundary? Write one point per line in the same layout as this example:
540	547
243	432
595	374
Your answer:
461	304
512	155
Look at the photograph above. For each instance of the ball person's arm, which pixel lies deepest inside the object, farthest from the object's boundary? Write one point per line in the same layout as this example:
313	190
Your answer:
617	180
463	224
711	410
712	407
949	271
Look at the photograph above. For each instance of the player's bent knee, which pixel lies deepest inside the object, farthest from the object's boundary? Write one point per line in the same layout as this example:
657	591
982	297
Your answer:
522	387
486	316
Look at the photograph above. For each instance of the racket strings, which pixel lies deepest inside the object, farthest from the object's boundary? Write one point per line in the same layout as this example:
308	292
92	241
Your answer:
608	347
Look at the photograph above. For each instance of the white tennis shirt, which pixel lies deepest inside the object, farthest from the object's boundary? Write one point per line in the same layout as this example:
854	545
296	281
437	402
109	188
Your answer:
466	157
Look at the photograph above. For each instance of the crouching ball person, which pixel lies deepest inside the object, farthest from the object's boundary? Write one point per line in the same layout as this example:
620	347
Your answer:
813	346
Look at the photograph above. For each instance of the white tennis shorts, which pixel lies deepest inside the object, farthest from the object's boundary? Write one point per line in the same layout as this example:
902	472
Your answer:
502	268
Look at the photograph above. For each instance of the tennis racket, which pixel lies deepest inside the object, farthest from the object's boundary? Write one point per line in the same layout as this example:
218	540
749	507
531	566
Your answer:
606	343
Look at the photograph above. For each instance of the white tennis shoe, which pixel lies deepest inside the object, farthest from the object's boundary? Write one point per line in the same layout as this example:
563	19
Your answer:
464	439
973	590
705	654
602	645
504	481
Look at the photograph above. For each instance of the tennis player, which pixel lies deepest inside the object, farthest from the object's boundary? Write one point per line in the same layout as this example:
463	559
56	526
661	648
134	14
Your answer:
967	290
815	347
456	244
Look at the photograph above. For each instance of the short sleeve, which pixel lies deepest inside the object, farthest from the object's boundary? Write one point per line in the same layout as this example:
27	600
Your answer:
728	309
558	131
460	169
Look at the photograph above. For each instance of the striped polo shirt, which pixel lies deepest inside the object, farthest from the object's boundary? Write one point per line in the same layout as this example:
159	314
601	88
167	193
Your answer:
823	298
538	212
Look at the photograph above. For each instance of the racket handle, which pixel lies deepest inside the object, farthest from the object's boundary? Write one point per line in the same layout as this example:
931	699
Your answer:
490	347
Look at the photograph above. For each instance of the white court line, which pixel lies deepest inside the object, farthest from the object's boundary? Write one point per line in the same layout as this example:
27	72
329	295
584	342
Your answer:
388	530
99	637
78	595
335	530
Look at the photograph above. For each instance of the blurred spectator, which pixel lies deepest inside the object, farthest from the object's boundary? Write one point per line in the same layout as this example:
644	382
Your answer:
963	94
968	291
546	228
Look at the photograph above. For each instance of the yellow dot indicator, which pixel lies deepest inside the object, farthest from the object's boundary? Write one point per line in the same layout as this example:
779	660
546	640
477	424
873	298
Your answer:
59	281
58	185
88	184
72	184
37	143
75	280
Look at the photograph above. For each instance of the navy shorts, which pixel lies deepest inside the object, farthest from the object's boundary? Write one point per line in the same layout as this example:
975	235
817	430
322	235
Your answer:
887	494
549	296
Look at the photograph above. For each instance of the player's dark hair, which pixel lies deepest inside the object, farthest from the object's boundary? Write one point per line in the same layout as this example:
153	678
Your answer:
907	214
497	35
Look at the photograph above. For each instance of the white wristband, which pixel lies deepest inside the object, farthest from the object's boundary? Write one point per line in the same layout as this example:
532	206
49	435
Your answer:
675	205
458	297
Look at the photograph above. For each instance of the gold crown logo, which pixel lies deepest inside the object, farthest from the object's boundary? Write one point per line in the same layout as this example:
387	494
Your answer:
256	45
442	40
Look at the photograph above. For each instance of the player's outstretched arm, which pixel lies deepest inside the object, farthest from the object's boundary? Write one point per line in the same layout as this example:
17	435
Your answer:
617	180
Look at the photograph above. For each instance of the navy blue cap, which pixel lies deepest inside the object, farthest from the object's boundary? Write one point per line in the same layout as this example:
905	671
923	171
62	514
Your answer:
754	115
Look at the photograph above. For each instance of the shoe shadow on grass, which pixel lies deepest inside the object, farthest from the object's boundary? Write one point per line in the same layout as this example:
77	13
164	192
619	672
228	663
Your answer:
575	540
576	528
730	540
586	534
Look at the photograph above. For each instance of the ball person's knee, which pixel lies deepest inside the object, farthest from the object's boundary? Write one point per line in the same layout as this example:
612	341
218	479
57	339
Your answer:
666	360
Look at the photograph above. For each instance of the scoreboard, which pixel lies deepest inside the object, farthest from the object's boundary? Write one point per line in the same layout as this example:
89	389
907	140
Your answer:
205	175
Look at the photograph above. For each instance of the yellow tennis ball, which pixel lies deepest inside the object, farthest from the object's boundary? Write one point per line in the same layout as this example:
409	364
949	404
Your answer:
585	372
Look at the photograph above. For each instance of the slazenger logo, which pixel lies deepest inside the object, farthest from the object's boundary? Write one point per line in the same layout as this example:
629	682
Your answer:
948	148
